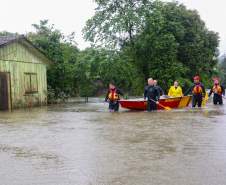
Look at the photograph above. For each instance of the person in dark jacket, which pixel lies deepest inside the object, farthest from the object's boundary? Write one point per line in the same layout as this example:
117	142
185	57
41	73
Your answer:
151	93
218	91
161	92
198	92
113	97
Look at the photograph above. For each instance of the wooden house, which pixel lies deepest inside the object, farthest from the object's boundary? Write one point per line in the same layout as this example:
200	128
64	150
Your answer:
23	81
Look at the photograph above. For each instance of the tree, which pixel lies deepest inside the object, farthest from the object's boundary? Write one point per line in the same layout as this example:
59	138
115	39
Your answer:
83	73
175	44
62	51
197	46
116	21
97	67
168	41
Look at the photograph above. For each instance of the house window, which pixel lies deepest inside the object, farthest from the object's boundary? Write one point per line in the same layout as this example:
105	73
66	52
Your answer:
31	83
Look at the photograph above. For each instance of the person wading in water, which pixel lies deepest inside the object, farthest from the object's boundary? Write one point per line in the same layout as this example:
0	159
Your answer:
113	97
218	93
152	94
198	92
161	92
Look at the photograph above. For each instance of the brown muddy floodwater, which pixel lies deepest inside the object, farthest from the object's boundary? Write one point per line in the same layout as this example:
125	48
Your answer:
84	144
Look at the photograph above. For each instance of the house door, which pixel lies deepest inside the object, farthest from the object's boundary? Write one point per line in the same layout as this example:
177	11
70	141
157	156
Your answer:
4	95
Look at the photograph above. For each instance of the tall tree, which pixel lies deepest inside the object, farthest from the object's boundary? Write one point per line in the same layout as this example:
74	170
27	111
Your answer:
116	21
168	41
197	46
62	51
175	44
96	67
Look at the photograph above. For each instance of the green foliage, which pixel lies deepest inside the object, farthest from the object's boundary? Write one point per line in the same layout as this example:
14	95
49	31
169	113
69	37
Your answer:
156	52
197	46
132	41
83	73
167	42
97	67
116	21
63	53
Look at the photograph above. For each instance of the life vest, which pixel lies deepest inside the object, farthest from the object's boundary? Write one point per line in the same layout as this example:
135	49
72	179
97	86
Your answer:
113	95
197	89
217	89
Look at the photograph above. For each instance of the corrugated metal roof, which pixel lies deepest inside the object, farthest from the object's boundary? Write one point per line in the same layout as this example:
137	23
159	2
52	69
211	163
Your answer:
7	39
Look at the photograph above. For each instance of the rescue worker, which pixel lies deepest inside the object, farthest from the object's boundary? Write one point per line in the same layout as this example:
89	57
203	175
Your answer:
161	92
198	92
175	90
113	97
218	91
151	93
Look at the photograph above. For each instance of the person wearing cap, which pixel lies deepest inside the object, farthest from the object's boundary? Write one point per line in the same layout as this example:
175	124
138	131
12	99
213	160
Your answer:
113	97
175	90
218	91
198	92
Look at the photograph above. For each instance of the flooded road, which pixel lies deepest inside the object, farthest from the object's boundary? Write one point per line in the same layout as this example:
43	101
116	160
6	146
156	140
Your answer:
83	144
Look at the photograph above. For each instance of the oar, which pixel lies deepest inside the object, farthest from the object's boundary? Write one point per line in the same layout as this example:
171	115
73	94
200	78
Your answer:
166	108
206	98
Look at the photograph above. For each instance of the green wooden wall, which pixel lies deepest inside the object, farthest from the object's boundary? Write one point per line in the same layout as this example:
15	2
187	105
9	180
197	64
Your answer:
17	59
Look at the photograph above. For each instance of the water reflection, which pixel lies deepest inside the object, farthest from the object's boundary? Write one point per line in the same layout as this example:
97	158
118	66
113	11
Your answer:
84	144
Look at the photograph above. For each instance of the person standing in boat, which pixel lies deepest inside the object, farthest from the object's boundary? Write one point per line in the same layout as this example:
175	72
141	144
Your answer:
151	93
175	90
218	91
161	92
198	92
113	97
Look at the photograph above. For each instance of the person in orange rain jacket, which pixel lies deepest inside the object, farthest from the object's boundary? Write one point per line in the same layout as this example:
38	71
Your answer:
218	91
198	92
113	97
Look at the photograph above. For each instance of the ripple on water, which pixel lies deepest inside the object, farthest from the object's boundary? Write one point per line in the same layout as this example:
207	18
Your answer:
85	144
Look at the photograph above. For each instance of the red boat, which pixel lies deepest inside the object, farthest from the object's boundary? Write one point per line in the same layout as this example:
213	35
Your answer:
178	102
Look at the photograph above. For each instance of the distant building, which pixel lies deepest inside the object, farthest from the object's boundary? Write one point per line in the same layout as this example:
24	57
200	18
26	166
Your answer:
23	81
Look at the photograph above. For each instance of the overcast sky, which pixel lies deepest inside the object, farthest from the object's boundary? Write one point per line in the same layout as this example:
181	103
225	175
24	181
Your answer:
71	15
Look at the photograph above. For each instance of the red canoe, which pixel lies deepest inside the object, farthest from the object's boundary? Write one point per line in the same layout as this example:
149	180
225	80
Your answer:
178	102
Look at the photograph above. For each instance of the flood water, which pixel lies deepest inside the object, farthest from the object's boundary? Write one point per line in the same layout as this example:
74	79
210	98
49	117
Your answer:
84	144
